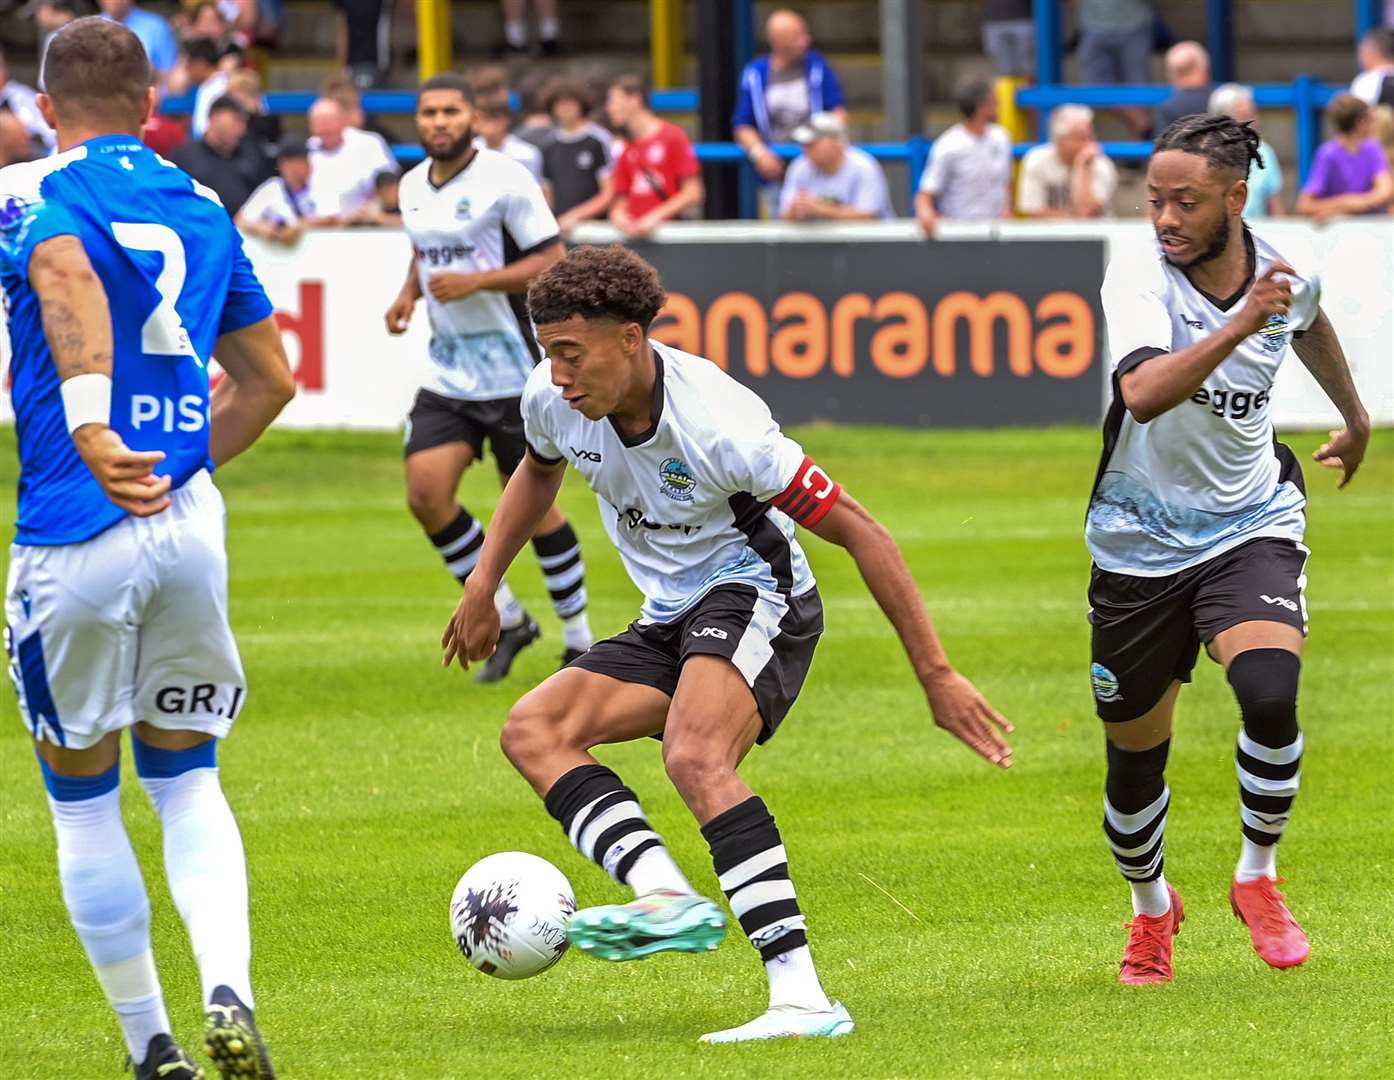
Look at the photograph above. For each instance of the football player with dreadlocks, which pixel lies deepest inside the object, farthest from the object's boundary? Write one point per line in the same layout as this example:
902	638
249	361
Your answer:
1196	522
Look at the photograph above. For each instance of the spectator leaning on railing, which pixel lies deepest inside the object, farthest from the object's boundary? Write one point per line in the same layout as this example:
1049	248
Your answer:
1265	182
1350	174
969	171
281	208
343	161
657	177
781	90
1375	83
1188	75
1068	177
831	181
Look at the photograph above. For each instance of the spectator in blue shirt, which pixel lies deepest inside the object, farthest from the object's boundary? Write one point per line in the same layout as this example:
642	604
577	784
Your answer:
781	90
154	33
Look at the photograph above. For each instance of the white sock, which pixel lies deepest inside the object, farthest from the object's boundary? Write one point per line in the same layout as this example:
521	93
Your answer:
515	31
576	632
511	612
106	900
1256	861
654	870
549	28
207	874
1151	897
794	981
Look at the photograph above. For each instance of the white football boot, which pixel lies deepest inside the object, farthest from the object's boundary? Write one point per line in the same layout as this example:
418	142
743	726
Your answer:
789	1022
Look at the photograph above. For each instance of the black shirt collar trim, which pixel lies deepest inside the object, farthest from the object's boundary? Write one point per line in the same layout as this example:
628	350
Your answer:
655	407
473	154
1251	260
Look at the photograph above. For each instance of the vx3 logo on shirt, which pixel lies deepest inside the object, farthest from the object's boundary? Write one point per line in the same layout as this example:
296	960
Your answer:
711	631
1280	601
586	455
1194	324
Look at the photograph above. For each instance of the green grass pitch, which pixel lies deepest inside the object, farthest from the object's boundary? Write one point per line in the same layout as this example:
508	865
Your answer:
970	919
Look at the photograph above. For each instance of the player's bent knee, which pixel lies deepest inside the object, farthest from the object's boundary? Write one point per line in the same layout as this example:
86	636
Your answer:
694	765
1265	684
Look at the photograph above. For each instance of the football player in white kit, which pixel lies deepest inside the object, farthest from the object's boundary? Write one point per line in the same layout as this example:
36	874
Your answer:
700	492
1196	522
480	230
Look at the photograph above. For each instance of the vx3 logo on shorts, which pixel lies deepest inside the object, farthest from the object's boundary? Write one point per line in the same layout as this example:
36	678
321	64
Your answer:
711	631
586	455
1280	601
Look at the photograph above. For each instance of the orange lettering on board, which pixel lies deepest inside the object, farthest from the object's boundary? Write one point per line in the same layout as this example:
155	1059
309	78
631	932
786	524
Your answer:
755	326
679	324
799	348
900	349
1064	349
846	312
982	314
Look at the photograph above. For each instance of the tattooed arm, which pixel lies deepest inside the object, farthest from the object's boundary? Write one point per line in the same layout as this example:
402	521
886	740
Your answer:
77	324
1320	350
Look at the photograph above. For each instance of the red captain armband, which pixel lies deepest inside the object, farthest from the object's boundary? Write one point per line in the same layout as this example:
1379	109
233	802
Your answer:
809	496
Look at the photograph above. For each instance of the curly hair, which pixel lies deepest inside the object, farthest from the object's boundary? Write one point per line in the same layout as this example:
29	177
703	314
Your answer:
608	282
1224	142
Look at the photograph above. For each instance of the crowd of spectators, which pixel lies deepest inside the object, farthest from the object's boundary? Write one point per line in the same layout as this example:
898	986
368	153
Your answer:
621	161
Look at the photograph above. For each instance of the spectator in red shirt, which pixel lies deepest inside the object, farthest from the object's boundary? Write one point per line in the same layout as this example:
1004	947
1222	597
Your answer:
657	176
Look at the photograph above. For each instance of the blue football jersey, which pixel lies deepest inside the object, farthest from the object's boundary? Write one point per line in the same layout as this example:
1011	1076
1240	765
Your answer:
176	278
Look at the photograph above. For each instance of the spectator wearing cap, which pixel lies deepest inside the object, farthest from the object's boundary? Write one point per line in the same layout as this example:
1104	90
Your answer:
1068	177
1375	83
1350	174
576	162
969	171
781	90
24	134
657	177
492	120
831	181
1188	74
1265	180
343	161
281	208
154	32
224	159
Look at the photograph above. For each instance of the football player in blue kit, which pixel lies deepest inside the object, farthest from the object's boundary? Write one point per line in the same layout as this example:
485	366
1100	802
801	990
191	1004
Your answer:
123	278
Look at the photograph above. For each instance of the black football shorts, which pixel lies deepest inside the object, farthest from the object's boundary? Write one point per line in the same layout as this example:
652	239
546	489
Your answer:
435	420
772	650
1147	631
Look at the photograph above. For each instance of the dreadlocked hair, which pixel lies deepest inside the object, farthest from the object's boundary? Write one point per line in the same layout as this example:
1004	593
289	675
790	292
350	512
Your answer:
1224	142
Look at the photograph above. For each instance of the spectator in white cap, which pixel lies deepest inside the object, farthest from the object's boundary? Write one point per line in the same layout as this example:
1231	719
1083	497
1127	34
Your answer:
1068	177
1265	184
831	181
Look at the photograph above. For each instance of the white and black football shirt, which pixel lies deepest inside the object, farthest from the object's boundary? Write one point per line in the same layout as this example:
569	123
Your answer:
488	215
1207	475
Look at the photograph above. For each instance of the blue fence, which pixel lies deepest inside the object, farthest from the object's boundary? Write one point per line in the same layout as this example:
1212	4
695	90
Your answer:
1305	95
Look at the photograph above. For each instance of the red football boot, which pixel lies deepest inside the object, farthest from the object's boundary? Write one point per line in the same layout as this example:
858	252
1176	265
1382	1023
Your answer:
1147	958
1277	937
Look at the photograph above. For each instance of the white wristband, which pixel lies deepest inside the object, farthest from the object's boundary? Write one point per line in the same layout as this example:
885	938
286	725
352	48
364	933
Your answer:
87	400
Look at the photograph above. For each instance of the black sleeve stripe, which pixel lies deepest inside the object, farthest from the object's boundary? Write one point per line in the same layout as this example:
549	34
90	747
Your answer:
540	245
543	459
1134	358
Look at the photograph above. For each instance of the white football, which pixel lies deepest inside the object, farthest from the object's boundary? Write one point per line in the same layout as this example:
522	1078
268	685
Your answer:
509	914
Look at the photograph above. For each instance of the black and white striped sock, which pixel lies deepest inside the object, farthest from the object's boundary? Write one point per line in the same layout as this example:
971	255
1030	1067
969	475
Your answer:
1136	799
559	555
459	544
1268	757
603	821
753	870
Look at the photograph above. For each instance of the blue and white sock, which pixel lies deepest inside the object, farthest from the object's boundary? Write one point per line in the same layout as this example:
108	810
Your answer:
204	861
106	899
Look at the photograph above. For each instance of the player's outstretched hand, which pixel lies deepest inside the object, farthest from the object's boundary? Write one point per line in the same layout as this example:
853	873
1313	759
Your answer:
473	631
127	476
1345	451
1271	295
961	710
399	314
